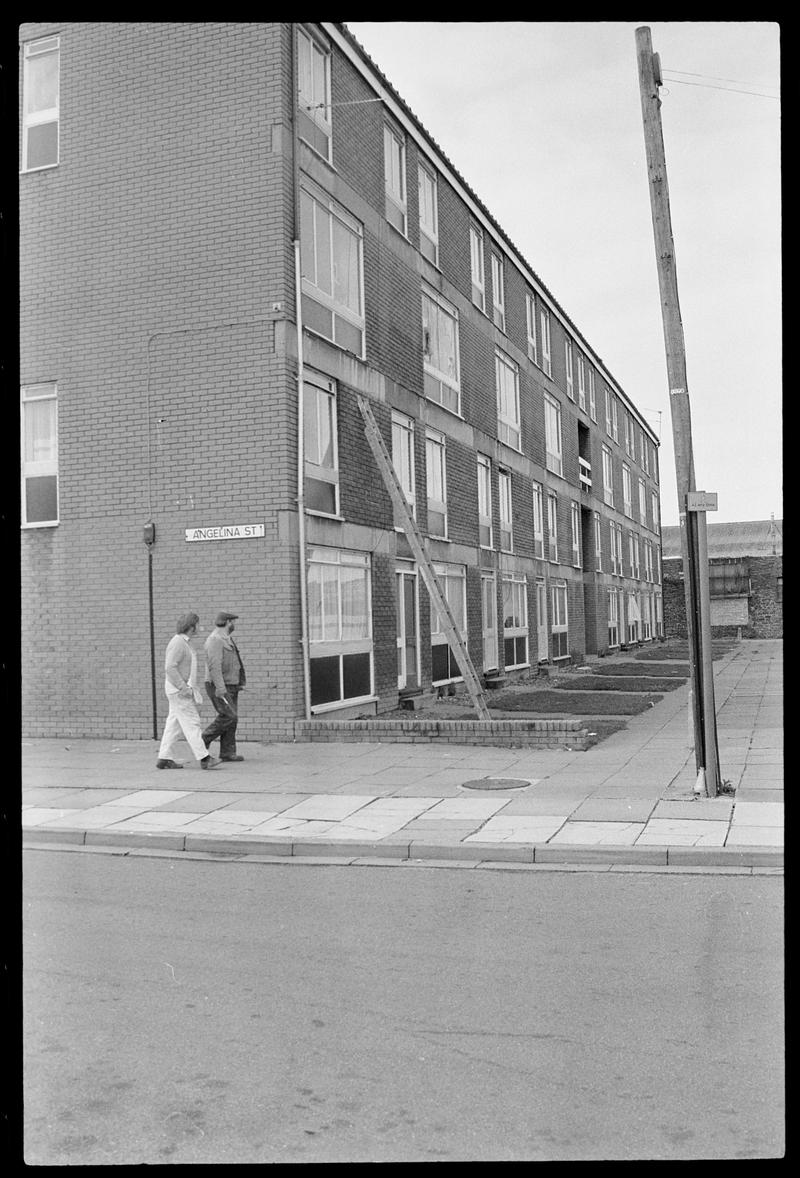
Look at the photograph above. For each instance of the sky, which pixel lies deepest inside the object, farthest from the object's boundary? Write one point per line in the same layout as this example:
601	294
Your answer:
544	122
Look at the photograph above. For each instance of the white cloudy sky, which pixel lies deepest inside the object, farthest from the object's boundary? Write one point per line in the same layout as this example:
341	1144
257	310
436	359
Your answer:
543	120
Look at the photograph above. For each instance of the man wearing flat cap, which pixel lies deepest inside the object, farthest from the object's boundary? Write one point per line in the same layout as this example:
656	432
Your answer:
225	678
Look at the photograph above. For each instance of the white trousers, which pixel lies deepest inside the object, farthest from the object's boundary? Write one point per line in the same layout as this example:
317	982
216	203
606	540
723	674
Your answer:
183	719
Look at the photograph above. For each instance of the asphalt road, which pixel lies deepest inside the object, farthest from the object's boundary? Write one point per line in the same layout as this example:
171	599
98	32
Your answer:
209	1012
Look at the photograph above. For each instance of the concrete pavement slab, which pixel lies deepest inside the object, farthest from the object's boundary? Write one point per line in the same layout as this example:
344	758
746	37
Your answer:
613	810
755	836
718	809
37	815
664	832
758	814
589	834
328	808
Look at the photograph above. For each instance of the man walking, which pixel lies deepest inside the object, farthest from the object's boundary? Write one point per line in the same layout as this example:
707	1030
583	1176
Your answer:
225	678
183	693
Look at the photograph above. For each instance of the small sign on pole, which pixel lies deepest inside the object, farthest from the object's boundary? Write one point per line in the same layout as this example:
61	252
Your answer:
701	500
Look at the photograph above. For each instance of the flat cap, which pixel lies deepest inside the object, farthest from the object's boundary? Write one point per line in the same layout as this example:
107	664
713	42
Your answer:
223	616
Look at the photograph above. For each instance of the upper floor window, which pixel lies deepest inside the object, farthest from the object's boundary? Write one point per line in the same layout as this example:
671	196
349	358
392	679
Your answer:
629	440
484	501
498	292
436	475
608	412
592	396
552	435
598	544
440	350
40	104
331	254
538	521
627	492
403	457
654	510
645	454
608	477
39	449
569	369
508	422
530	308
314	92
581	382
575	524
321	458
506	511
552	527
394	162
476	266
614	421
642	501
634	554
428	214
544	334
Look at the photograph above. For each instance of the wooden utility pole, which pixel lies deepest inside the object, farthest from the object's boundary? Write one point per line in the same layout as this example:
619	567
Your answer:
702	674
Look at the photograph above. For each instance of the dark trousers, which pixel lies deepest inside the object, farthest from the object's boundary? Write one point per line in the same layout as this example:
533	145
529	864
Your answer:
224	723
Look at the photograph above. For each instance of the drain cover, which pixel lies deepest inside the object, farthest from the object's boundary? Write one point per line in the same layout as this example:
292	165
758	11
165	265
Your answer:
496	783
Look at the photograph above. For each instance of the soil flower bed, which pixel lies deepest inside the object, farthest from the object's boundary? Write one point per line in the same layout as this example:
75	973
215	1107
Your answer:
617	683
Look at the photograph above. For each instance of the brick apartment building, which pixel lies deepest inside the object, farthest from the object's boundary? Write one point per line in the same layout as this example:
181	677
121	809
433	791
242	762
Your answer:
167	170
745	573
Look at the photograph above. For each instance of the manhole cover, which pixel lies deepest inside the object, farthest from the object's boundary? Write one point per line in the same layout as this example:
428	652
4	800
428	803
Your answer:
496	783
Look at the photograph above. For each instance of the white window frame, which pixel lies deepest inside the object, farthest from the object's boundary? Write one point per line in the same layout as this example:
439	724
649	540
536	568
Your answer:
654	509
552	527
505	500
634	622
530	312
618	543
327	639
436	478
568	365
324	395
498	291
646	606
538	520
428	229
643	501
552	433
608	477
324	212
477	266
581	381
485	530
314	108
38	467
627	491
575	526
608	412
559	619
453	584
394	153
403	458
614	420
598	544
613	618
592	395
441	386
34	51
509	426
514	588
633	553
544	332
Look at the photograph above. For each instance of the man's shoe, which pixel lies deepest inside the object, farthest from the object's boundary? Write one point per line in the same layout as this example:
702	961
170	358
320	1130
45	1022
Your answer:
209	762
236	758
167	764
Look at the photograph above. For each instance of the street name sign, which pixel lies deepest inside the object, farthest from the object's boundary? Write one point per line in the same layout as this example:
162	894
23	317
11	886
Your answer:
228	532
701	500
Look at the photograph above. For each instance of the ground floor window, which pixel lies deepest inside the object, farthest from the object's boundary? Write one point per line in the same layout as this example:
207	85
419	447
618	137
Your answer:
659	604
515	621
453	584
339	626
558	622
634	618
647	617
613	618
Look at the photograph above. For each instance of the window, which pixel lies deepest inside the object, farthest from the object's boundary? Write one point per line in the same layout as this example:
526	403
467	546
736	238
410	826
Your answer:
314	92
332	271
614	423
506	511
530	308
515	621
659	602
508	423
440	351
428	214
646	609
498	293
634	617
340	630
613	618
608	413
644	455
39	449
627	493
476	264
453	584
581	382
628	423
654	509
40	103
552	528
654	464
484	501
608	477
592	396
633	554
642	501
544	325
616	548
394	166
552	434
403	458
321	460
436	475
568	365
598	544
538	521
575	523
648	560
559	626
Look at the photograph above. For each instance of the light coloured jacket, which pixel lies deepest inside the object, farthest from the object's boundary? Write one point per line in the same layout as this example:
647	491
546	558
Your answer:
180	667
223	665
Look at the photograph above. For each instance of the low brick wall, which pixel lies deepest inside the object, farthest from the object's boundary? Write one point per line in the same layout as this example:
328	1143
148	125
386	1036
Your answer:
513	733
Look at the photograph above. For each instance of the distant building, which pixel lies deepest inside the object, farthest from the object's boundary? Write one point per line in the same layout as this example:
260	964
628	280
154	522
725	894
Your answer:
745	565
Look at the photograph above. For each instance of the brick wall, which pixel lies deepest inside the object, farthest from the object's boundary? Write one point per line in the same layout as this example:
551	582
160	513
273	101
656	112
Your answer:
765	610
